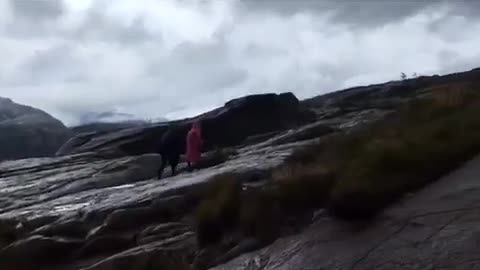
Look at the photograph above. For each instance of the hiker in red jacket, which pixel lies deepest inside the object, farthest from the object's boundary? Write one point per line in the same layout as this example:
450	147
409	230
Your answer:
194	145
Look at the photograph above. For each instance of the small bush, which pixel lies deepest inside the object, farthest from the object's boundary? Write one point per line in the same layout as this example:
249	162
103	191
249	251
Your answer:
227	208
375	164
259	213
259	216
355	174
302	187
417	146
219	211
305	155
295	190
215	158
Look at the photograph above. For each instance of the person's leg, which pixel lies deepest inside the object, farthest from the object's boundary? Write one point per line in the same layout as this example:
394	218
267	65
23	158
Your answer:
173	163
197	165
189	166
194	166
162	166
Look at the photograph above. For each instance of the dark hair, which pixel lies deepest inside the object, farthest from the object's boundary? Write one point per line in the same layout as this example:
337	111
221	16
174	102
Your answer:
197	122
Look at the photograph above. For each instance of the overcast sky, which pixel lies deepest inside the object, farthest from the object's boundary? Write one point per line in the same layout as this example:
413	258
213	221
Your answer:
175	58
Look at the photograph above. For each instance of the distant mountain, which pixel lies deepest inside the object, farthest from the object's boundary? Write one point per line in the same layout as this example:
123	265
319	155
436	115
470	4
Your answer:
102	127
107	121
112	116
28	132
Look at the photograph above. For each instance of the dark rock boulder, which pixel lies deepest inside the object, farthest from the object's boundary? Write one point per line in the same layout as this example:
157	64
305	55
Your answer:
252	115
106	244
131	141
157	255
226	126
124	219
28	132
9	231
162	232
27	253
63	228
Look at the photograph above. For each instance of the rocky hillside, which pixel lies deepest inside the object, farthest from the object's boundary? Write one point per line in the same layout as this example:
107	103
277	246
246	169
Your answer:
28	132
226	126
97	211
435	229
107	121
388	95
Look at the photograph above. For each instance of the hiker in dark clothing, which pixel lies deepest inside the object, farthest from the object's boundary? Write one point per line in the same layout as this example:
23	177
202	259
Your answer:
172	145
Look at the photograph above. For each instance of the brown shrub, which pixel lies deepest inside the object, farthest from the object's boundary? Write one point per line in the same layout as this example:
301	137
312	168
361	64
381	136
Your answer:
300	187
374	165
259	216
219	211
354	174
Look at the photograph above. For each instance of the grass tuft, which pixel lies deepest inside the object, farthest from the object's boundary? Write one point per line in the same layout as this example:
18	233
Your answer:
218	213
356	174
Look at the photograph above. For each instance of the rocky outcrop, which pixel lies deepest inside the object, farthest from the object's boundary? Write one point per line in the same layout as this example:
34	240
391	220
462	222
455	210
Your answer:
38	250
28	132
390	94
225	126
103	208
112	213
252	115
438	228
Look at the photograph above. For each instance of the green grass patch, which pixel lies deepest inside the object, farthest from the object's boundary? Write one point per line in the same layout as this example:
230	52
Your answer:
218	213
356	174
376	164
301	188
258	212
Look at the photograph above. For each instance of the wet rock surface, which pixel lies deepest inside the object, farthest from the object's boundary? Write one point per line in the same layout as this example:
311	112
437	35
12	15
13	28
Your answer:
226	126
435	229
36	250
111	211
103	208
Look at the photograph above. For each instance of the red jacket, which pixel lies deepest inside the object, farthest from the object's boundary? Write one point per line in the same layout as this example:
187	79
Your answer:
194	144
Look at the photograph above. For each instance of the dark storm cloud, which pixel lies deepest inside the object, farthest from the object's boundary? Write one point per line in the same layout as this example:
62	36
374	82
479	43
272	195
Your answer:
364	13
360	13
468	8
37	9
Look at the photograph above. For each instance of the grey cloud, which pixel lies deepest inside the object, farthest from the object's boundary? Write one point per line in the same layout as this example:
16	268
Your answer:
374	13
33	18
357	13
42	18
148	63
55	64
37	9
452	61
97	26
198	68
53	58
468	8
364	14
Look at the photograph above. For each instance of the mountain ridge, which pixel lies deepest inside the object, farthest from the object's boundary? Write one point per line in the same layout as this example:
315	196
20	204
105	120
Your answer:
27	132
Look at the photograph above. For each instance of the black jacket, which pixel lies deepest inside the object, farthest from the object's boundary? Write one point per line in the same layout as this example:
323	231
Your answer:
172	142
